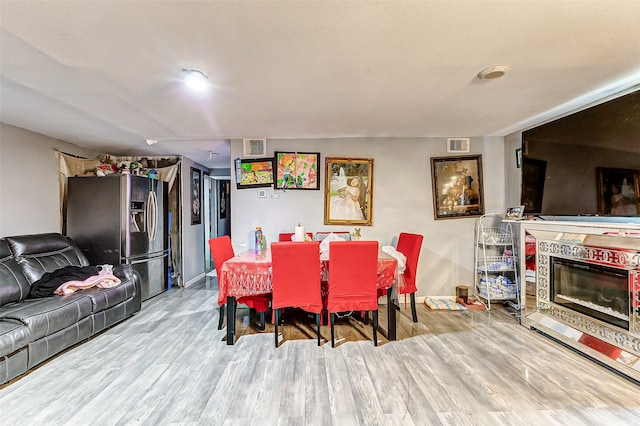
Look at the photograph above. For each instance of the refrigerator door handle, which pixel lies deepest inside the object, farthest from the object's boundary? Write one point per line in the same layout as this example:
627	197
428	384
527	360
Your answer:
155	215
152	215
147	214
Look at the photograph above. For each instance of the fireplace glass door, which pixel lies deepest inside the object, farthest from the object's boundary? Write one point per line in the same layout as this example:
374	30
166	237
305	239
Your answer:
595	290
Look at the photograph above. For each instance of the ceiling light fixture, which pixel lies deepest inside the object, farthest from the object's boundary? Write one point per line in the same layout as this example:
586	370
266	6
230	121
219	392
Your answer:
196	80
151	141
493	72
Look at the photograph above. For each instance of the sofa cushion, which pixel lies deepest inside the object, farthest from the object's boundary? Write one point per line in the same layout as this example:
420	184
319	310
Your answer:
48	315
42	253
105	298
13	336
13	284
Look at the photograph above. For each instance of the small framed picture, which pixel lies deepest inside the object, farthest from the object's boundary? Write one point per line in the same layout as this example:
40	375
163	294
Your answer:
196	196
254	173
514	213
262	193
297	170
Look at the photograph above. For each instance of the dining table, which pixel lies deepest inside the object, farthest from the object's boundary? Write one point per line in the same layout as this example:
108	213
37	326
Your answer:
249	274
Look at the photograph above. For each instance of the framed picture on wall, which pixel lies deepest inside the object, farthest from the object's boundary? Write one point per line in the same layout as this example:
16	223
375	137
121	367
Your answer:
457	186
348	191
196	196
618	192
223	197
255	173
297	170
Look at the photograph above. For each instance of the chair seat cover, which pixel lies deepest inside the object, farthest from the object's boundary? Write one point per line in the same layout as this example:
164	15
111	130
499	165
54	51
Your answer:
353	270
288	236
259	303
221	251
296	276
409	245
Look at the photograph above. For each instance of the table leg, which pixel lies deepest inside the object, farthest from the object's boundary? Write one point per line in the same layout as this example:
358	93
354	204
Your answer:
231	320
391	315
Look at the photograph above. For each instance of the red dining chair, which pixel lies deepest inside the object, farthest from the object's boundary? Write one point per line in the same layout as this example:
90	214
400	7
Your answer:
221	251
295	274
321	235
410	245
353	274
286	236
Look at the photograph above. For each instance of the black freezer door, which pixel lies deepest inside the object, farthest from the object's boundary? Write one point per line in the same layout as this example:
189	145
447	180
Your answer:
94	219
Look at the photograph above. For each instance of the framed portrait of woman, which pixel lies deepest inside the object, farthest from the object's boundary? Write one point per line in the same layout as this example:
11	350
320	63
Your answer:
348	191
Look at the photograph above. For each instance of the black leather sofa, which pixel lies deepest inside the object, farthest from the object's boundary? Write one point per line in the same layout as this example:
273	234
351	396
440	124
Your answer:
33	330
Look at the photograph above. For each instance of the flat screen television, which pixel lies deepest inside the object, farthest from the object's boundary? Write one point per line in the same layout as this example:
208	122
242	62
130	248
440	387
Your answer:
587	163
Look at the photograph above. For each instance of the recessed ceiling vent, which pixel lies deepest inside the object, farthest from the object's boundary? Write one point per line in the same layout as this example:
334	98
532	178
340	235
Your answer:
458	145
254	147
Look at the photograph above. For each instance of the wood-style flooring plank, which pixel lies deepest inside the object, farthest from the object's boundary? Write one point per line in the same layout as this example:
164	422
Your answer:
169	364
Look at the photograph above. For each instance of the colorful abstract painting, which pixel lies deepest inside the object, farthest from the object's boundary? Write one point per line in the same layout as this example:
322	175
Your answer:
297	170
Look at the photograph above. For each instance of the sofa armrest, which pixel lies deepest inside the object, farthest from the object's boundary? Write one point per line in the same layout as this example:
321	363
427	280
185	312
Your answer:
127	272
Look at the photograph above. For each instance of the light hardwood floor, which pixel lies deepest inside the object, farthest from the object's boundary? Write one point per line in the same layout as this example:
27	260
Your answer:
170	365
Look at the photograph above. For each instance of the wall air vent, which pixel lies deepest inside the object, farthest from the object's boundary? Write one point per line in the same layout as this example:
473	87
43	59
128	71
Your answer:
254	147
458	145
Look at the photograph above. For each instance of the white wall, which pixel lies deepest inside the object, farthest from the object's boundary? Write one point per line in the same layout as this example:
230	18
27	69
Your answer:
402	201
192	235
513	174
29	188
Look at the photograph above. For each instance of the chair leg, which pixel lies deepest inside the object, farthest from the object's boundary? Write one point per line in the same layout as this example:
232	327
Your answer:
276	314
332	320
221	316
414	314
375	328
318	325
262	324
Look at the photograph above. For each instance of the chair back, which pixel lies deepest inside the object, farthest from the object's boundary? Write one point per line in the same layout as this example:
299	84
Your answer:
410	245
353	273
295	274
221	251
286	236
345	235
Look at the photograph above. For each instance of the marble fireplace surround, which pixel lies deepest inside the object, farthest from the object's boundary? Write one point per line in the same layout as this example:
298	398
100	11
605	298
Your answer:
613	245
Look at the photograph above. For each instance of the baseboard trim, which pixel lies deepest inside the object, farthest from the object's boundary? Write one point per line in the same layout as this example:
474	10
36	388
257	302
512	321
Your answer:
194	279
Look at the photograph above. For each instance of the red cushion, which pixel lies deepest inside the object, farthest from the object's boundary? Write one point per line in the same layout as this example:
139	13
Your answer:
353	272
295	274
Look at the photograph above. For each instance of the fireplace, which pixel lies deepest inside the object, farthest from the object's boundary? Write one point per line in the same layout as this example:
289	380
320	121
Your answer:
587	289
598	291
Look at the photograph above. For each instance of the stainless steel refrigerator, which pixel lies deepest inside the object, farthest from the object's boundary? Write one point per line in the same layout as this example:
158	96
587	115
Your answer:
121	219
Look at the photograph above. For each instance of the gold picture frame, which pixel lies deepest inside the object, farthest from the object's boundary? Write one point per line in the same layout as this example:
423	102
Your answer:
457	186
348	191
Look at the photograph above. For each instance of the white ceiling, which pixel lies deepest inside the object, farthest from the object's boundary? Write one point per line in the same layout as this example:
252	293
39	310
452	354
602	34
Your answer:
107	74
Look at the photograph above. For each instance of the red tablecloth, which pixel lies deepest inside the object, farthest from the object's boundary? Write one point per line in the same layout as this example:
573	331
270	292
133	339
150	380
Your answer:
249	274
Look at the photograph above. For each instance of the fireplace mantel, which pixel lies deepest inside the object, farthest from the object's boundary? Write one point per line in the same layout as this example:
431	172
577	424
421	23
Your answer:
583	252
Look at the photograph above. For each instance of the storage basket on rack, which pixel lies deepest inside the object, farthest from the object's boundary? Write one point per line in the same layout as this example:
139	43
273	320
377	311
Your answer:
499	287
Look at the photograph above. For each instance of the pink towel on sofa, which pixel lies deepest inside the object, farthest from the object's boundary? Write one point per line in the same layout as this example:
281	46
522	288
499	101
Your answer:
102	280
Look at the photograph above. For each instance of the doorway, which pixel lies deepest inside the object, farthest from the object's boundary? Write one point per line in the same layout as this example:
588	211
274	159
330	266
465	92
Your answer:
217	212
